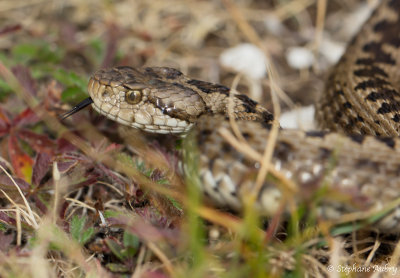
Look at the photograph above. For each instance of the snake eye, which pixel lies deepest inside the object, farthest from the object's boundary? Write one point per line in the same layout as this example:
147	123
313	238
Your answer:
133	97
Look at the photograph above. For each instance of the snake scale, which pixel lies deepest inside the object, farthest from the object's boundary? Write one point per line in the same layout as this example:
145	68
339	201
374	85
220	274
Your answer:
357	161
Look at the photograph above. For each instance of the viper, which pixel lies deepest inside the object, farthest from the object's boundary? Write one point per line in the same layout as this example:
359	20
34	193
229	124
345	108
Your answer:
354	158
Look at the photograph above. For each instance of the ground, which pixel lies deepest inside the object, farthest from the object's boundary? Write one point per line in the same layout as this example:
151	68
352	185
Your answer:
77	200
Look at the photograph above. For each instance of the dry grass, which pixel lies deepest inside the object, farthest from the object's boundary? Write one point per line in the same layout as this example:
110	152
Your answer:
82	204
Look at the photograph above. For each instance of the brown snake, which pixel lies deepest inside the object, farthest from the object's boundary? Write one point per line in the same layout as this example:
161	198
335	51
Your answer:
358	172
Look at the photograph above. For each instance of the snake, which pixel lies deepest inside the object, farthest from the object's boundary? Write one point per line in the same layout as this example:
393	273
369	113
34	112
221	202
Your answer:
353	159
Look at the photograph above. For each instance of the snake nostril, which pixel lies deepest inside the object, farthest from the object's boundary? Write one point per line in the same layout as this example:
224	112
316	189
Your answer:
105	94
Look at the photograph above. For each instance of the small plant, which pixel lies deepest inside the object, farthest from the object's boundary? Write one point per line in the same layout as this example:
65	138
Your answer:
78	231
125	252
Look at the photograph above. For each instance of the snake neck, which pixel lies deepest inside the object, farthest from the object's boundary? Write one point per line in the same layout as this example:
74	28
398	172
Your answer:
241	107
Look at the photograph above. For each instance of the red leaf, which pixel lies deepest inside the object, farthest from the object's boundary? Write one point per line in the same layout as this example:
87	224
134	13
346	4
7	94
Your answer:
40	143
63	211
8	184
10	29
41	167
65	146
26	117
113	147
6	219
21	162
64	167
39	204
4	122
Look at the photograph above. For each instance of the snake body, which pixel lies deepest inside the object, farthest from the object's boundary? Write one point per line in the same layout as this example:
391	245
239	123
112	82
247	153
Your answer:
359	172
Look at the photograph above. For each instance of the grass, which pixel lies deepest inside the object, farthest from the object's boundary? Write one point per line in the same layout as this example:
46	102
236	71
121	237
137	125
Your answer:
77	201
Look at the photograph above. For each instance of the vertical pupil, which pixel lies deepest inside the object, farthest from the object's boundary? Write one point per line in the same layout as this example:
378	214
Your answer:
132	96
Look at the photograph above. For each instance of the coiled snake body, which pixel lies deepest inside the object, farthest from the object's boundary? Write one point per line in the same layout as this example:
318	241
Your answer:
360	172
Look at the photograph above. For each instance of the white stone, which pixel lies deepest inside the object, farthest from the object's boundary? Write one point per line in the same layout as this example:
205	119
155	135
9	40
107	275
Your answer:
332	50
247	59
299	57
270	201
301	118
274	24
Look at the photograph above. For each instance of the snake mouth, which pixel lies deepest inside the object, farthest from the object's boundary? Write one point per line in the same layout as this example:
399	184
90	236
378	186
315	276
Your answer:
77	108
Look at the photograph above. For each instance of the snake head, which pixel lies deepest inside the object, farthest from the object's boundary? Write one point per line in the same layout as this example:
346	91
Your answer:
150	99
163	100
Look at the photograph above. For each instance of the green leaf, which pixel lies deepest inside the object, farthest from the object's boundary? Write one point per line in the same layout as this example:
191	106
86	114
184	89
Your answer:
96	51
77	80
77	230
49	55
130	252
76	227
125	158
117	267
130	240
33	241
36	51
175	203
3	227
87	235
116	249
5	89
24	52
98	46
111	213
73	95
70	79
345	229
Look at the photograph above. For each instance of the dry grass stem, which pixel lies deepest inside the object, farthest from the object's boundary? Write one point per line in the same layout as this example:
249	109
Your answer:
30	216
163	258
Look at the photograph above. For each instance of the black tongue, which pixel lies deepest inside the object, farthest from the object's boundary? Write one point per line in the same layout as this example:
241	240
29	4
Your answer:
77	108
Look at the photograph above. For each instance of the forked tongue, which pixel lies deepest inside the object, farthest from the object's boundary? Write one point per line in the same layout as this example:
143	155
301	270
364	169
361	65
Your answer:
77	108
